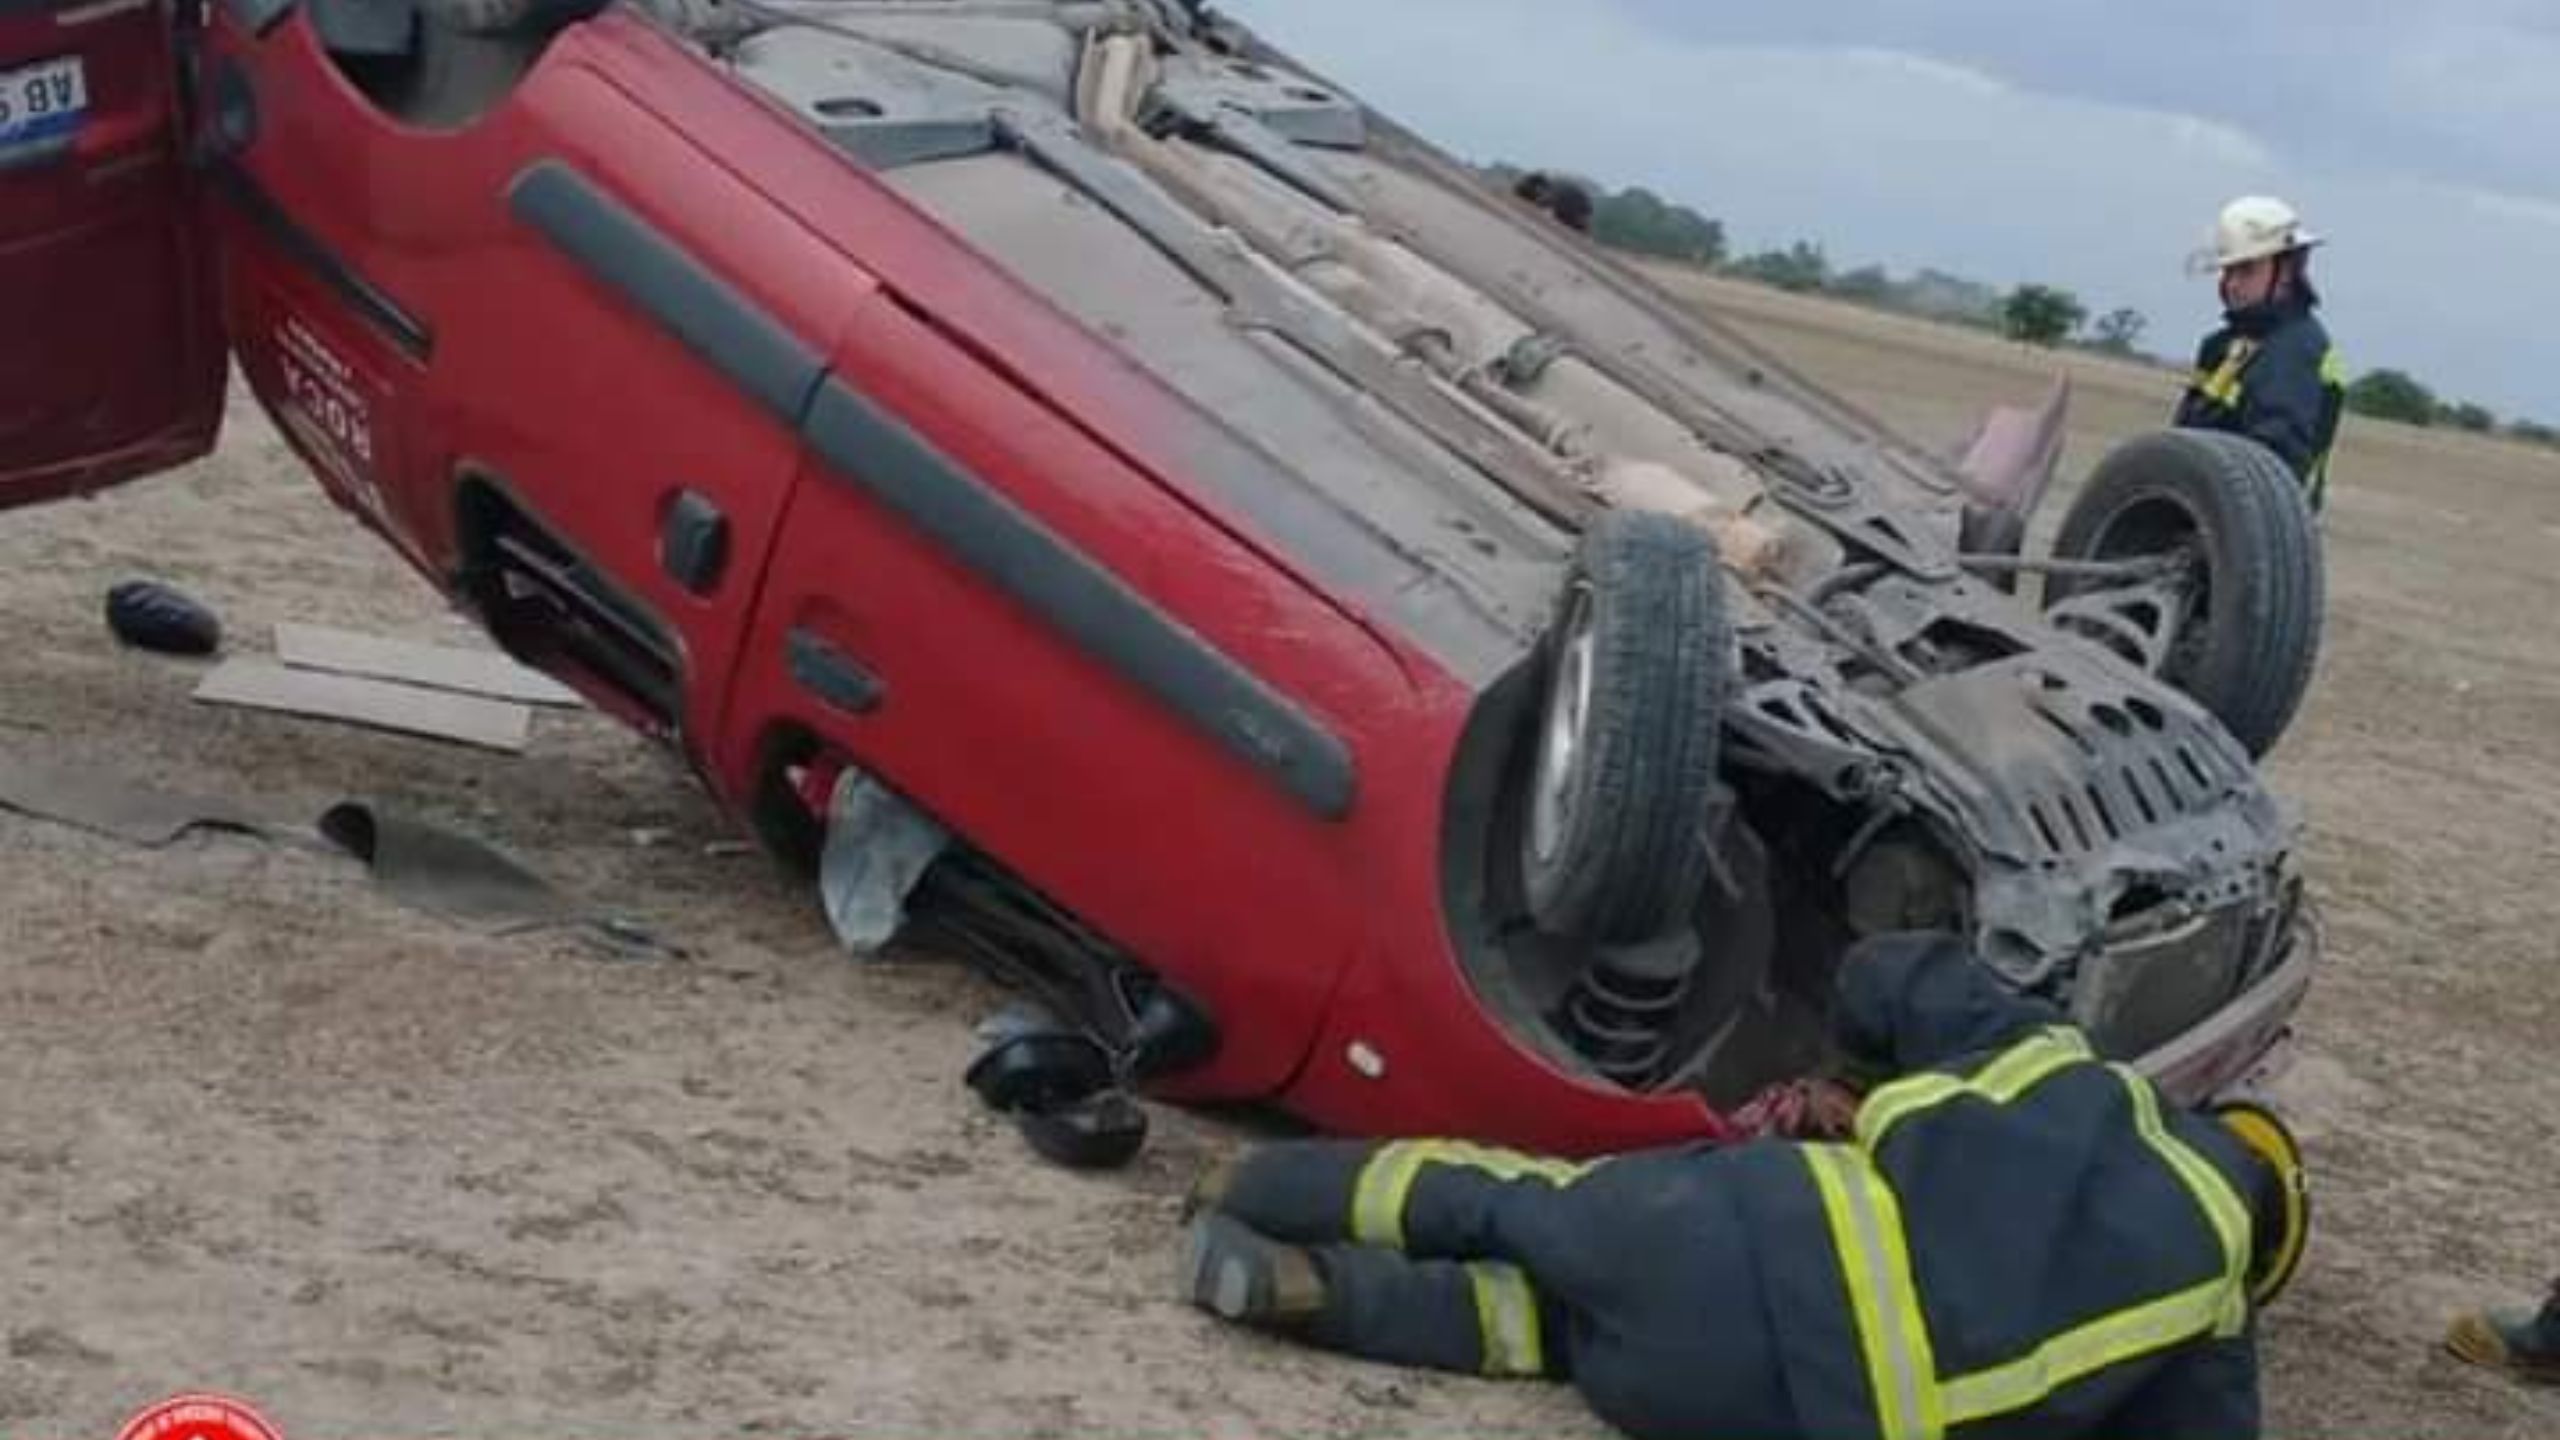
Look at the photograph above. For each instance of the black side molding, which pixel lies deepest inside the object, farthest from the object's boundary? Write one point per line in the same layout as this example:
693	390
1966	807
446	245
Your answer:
363	296
42	152
871	450
632	258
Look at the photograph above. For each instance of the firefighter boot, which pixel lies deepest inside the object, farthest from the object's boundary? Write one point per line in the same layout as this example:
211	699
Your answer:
2524	1345
1240	1275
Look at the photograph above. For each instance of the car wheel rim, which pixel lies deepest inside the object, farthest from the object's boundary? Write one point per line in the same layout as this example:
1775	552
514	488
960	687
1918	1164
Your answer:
1552	799
2162	526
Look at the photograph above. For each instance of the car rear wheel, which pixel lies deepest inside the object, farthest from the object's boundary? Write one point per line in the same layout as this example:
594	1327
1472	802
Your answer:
2243	618
1638	663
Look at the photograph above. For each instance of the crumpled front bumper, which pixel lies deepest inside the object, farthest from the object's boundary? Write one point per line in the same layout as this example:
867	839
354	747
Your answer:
2246	1044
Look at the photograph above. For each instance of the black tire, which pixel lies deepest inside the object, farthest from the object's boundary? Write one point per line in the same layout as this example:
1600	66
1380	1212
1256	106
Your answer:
2248	651
1614	846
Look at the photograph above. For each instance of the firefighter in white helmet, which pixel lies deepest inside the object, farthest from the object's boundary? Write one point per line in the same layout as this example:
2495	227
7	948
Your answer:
2270	372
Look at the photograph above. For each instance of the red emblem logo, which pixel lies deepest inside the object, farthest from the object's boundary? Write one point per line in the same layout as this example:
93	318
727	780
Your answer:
199	1417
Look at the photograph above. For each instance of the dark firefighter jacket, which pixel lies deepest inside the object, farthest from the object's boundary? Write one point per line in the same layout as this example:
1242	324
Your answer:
2020	1241
2271	374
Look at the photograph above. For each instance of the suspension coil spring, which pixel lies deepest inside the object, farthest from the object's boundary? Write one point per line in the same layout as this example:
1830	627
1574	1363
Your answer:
1620	1010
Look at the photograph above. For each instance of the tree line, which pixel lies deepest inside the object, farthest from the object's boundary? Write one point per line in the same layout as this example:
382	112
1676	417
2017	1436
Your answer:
1640	222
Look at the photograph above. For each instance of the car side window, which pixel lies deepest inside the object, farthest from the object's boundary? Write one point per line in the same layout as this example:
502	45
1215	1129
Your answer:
440	64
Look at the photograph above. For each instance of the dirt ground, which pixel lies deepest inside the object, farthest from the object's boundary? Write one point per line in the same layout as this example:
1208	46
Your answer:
266	1132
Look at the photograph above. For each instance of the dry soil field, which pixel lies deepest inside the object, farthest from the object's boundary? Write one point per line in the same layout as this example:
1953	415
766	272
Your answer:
266	1132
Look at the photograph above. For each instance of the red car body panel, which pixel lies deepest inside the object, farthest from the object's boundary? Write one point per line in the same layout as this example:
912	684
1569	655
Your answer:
111	360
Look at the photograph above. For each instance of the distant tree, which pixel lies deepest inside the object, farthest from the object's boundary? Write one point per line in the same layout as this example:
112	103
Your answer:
2392	395
2118	331
2041	314
2534	432
1868	283
2467	416
1643	222
1942	296
1801	266
1634	220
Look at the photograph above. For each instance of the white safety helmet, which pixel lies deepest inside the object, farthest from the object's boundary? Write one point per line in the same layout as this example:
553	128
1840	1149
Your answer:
2252	227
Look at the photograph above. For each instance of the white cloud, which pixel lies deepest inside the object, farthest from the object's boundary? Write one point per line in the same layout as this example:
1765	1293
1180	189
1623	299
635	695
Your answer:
2500	204
1925	67
1911	160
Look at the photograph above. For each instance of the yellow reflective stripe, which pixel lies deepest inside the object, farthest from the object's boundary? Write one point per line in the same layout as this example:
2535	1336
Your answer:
2075	1354
1385	1184
1507	1320
1893	1337
2221	385
2017	1070
2333	369
1502	1164
1378	1196
2213	1194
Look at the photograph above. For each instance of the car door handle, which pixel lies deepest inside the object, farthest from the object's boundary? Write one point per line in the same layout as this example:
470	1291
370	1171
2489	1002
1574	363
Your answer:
843	682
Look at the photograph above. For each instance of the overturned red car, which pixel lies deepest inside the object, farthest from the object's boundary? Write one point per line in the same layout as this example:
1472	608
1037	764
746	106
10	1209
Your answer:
1380	656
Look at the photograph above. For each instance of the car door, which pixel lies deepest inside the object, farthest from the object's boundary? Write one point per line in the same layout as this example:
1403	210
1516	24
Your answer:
111	355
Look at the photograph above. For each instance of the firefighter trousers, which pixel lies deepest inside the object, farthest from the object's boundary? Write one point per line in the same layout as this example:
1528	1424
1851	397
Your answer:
1632	1277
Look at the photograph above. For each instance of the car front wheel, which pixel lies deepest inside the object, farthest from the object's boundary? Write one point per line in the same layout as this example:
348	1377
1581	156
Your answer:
1637	667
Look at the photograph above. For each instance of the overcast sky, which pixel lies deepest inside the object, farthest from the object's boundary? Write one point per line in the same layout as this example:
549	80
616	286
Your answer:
2086	143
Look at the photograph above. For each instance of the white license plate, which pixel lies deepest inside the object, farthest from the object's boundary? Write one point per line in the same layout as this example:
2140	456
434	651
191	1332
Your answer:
43	101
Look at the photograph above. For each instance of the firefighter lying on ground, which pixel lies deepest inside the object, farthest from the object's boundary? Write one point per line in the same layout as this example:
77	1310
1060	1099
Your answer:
2020	1239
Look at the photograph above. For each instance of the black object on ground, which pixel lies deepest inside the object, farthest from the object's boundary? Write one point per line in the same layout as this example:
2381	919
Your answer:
451	875
1102	1131
1058	1088
91	798
469	882
151	616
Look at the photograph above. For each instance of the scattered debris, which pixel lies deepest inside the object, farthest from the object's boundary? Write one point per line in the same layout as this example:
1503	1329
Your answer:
451	876
878	847
502	725
89	799
469	882
151	616
435	667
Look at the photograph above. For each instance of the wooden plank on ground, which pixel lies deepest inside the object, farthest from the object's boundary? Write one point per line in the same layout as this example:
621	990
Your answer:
381	704
440	667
